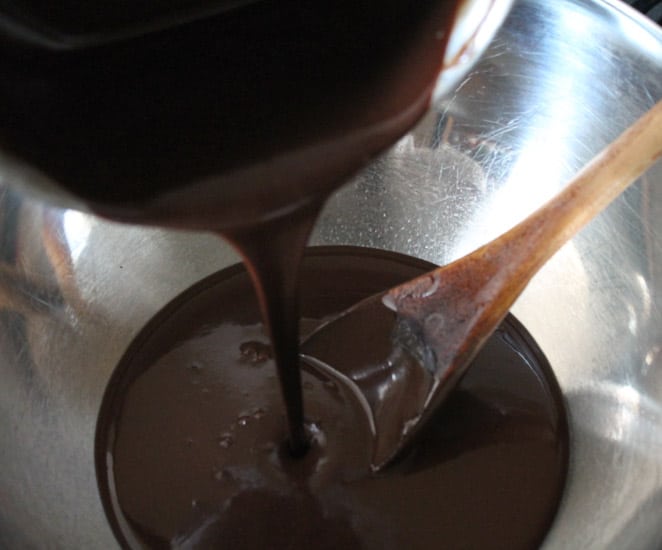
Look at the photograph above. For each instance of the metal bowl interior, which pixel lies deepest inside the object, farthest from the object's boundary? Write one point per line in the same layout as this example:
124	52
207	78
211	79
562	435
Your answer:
558	83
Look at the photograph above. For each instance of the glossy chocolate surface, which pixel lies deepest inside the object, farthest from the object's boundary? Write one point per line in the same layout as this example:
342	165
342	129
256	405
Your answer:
190	441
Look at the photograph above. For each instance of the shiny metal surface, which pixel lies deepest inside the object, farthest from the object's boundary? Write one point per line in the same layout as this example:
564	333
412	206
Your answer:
561	80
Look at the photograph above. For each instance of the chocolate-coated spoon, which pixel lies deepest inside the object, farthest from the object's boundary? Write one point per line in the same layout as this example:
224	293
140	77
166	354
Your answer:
416	340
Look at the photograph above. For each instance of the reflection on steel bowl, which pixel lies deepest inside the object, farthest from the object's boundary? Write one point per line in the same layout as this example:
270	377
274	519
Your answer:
560	81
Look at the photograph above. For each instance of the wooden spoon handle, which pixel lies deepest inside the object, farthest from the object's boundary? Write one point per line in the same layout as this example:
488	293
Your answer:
476	291
496	273
603	179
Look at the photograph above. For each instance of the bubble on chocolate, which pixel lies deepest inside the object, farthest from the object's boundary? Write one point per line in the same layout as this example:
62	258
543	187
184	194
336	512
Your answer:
254	352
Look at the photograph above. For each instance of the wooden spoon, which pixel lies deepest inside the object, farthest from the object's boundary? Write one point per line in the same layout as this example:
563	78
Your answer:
414	342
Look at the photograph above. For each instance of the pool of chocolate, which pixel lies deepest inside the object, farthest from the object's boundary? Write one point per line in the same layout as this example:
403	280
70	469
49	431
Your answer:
191	452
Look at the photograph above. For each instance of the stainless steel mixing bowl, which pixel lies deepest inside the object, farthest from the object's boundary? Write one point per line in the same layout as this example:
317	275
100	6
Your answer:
561	80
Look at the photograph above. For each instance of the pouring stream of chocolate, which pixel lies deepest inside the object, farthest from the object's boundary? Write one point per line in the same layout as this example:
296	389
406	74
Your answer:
240	124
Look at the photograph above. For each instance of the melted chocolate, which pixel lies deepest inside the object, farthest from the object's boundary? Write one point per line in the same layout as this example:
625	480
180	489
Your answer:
190	436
